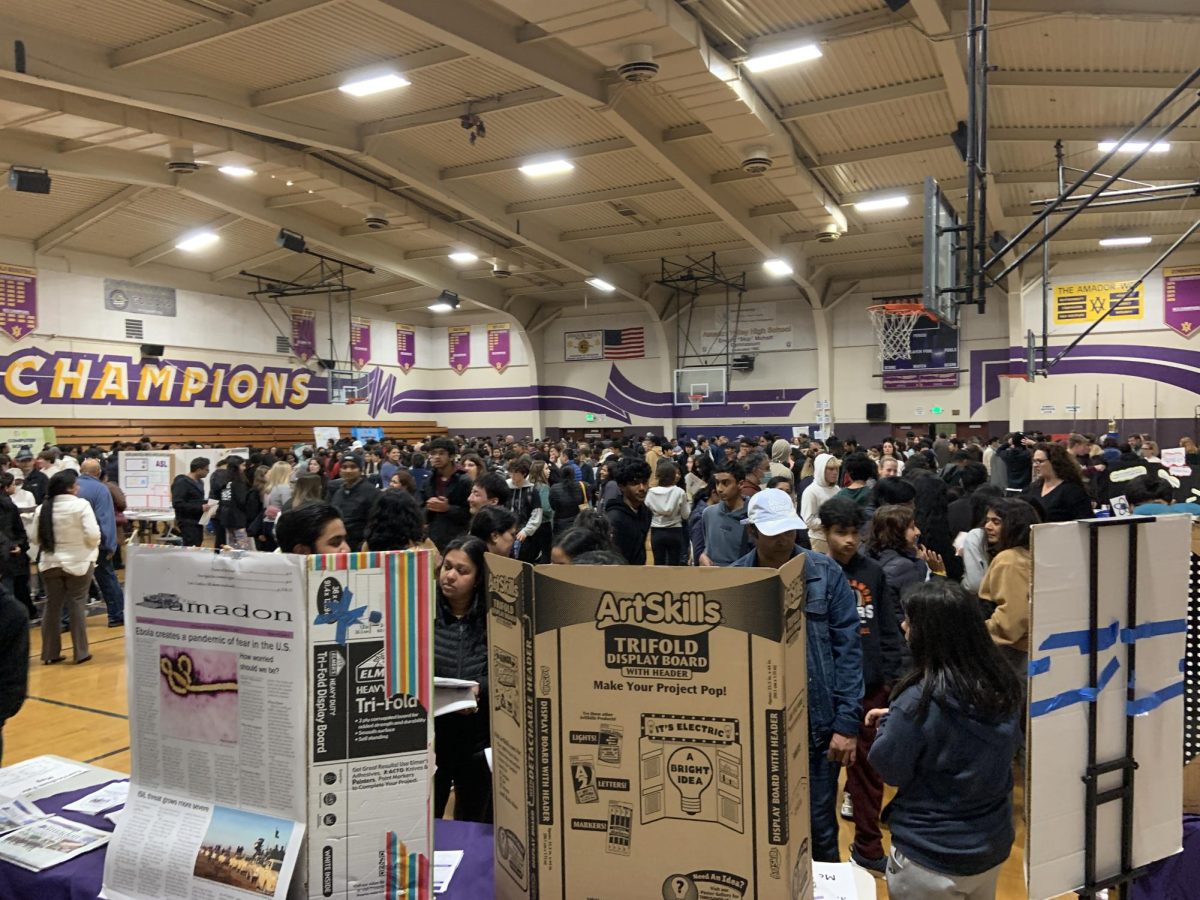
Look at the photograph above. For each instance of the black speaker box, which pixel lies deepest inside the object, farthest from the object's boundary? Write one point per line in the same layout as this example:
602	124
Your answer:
877	412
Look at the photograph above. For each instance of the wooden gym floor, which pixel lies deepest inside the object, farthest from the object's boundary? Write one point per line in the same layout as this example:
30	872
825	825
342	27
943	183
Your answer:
81	712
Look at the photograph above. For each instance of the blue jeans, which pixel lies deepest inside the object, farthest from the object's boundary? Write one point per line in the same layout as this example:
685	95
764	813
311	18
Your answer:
822	786
110	588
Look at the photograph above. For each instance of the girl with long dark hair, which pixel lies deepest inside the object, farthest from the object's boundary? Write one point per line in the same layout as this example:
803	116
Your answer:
233	511
68	537
1006	583
395	522
946	742
460	651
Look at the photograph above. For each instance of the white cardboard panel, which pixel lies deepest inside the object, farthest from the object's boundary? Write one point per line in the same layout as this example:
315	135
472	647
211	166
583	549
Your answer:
1055	795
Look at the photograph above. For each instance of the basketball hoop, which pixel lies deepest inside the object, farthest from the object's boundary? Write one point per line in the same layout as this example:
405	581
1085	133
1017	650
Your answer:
695	400
894	324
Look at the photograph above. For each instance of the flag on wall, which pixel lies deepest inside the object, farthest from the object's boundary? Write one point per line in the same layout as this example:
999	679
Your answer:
304	334
406	347
460	347
624	343
360	341
499	346
18	301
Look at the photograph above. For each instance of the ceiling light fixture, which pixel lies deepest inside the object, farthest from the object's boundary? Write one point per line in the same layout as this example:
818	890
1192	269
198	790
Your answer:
547	167
196	241
1133	146
1126	241
447	301
601	285
236	171
291	240
29	180
463	257
882	203
777	267
765	62
376	84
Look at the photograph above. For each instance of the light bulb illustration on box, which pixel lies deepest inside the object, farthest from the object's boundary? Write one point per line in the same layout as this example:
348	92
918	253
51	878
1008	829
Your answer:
691	771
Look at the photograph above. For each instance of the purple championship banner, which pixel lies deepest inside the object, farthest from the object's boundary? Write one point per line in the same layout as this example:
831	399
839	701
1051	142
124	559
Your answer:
18	300
304	334
459	337
1181	300
360	341
499	346
933	363
406	347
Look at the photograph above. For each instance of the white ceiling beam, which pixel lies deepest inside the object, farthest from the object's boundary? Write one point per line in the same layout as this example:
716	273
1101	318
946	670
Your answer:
237	7
199	9
1087	135
1147	80
513	100
860	99
885	151
263	259
168	246
384	290
1049	176
283	201
597	148
545	320
416	303
708	247
361	230
206	32
1135	9
618	193
88	217
773	209
685	133
325	84
588	234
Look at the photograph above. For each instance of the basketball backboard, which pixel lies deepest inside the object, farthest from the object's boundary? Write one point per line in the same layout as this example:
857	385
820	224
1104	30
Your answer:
708	383
940	263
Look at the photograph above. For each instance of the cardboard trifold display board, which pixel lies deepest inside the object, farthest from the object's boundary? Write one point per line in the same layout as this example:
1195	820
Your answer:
1138	564
649	732
279	725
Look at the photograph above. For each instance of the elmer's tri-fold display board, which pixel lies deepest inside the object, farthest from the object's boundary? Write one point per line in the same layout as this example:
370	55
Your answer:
649	732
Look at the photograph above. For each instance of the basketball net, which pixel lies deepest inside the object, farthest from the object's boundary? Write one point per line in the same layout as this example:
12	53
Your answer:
894	324
695	399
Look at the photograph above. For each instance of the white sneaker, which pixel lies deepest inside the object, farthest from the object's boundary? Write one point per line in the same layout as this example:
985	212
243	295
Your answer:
847	807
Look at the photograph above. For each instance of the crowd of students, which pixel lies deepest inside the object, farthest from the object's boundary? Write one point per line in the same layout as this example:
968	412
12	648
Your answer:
917	605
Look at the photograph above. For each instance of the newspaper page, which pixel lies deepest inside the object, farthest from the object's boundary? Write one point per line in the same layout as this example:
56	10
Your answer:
32	775
171	846
215	645
48	842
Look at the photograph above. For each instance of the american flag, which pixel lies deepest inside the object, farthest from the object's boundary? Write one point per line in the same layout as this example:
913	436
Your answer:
624	343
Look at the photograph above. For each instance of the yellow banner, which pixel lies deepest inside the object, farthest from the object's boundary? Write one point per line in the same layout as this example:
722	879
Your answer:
1082	304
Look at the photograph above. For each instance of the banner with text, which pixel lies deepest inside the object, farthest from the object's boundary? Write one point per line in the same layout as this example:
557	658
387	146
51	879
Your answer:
406	347
460	347
499	346
755	329
1181	299
360	341
1084	303
304	334
18	300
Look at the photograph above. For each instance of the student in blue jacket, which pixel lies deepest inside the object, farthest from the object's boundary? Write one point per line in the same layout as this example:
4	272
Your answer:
947	742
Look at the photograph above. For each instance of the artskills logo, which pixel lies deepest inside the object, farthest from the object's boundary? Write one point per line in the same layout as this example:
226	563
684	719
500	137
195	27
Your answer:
688	613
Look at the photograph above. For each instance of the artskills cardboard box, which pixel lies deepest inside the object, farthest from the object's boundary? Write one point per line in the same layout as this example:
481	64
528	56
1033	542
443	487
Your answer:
649	732
370	693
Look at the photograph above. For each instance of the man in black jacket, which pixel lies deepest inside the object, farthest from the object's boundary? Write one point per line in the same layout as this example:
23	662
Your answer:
881	640
630	519
188	500
445	495
14	659
354	497
1017	462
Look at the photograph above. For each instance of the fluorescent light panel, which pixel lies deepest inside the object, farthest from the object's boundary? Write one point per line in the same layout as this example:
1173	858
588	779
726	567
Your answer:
441	307
1133	146
236	171
777	267
547	167
1125	241
765	62
601	285
376	84
882	203
463	257
196	241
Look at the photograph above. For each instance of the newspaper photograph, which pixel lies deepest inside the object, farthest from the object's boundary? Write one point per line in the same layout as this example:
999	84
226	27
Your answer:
48	842
16	812
216	687
168	846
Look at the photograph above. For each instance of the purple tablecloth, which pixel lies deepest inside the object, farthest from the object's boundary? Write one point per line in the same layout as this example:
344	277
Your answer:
1176	877
80	878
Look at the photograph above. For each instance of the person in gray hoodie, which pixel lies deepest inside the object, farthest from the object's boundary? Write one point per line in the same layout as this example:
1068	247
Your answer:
670	507
824	486
781	460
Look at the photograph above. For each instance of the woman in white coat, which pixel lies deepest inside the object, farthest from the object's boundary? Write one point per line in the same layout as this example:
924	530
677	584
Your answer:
69	539
824	486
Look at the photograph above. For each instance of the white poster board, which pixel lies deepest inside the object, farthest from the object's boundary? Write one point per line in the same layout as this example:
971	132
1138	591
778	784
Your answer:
32	437
145	477
1058	724
323	434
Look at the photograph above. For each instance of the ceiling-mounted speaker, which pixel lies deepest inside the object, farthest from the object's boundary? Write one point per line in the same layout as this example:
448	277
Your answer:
327	363
877	412
153	351
896	5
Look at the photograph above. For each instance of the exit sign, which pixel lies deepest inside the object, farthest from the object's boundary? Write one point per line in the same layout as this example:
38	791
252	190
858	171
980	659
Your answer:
936	410
590	417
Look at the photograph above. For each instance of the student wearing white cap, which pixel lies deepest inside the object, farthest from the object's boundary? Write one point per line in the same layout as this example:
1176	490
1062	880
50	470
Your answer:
835	670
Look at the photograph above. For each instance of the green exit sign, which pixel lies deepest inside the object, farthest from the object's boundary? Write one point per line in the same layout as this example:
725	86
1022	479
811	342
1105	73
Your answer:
936	410
590	417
